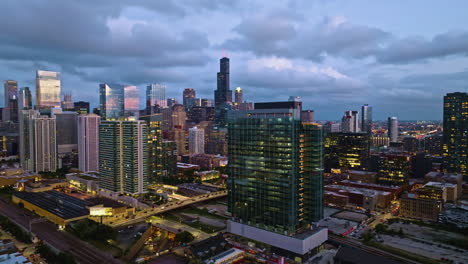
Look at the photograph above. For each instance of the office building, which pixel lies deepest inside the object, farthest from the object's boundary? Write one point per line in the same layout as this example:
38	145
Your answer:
169	158
47	90
307	116
67	140
111	101
456	133
350	122
223	94
346	150
81	107
392	168
26	139
366	119
238	96
88	142
171	102
131	101
10	107
196	140
155	96
275	186
123	156
67	103
24	99
199	113
419	208
155	147
188	93
179	116
207	102
393	129
331	127
380	141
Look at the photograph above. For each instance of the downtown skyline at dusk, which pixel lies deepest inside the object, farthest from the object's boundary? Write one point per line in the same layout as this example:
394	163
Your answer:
335	55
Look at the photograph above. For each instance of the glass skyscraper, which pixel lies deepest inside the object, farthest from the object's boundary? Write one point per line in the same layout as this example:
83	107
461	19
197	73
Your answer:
155	96
155	147
222	95
24	99
123	156
366	118
10	109
47	89
111	100
456	132
275	168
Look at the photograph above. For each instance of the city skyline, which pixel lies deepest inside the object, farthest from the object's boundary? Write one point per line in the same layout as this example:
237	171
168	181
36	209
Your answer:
403	69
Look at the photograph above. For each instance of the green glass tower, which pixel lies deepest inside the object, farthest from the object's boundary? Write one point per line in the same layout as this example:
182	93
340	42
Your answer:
456	132
275	168
123	156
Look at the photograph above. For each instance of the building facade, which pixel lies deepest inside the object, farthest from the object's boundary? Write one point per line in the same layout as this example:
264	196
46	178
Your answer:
456	133
24	99
350	122
111	100
88	142
366	118
123	156
392	127
346	150
155	96
10	106
196	140
223	94
48	90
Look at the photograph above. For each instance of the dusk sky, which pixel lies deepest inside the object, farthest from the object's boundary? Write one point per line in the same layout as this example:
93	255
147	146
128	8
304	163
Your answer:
399	56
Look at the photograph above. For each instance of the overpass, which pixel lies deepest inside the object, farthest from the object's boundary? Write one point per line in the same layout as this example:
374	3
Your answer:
142	215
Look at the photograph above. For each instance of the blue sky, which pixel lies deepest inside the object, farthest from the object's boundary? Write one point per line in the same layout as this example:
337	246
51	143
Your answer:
399	56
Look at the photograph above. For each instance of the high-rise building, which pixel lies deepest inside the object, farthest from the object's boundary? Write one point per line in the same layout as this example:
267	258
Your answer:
207	102
47	90
366	118
88	142
66	125
38	145
169	158
350	122
179	116
188	93
275	185
392	127
10	108
111	100
346	150
131	100
67	103
24	99
171	102
307	116
392	168
238	96
456	132
196	140
155	147
123	156
155	96
26	139
223	95
81	107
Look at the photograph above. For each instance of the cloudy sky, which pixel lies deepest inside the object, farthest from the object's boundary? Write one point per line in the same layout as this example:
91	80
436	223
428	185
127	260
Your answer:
399	56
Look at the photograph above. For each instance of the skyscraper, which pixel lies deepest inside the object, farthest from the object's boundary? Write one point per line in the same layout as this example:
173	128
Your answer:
155	96
26	138
188	93
346	150
131	100
392	127
66	124
88	142
456	132
275	186
47	89
238	96
155	147
67	103
10	108
196	140
111	100
350	122
223	95
81	107
366	118
24	99
123	156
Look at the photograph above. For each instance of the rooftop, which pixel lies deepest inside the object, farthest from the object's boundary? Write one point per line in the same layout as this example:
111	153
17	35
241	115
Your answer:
57	203
357	256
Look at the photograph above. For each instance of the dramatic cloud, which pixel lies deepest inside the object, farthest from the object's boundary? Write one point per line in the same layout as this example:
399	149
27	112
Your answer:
334	56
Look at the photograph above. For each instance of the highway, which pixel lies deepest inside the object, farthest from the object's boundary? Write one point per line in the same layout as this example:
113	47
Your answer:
61	240
359	245
142	215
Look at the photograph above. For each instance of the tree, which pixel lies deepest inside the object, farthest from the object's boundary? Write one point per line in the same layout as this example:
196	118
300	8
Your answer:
184	237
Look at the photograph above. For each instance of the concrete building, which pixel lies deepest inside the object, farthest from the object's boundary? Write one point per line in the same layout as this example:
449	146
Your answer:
446	192
196	140
423	209
88	142
392	128
350	122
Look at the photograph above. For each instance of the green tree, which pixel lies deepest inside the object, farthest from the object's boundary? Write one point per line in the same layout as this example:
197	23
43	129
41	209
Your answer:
184	237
